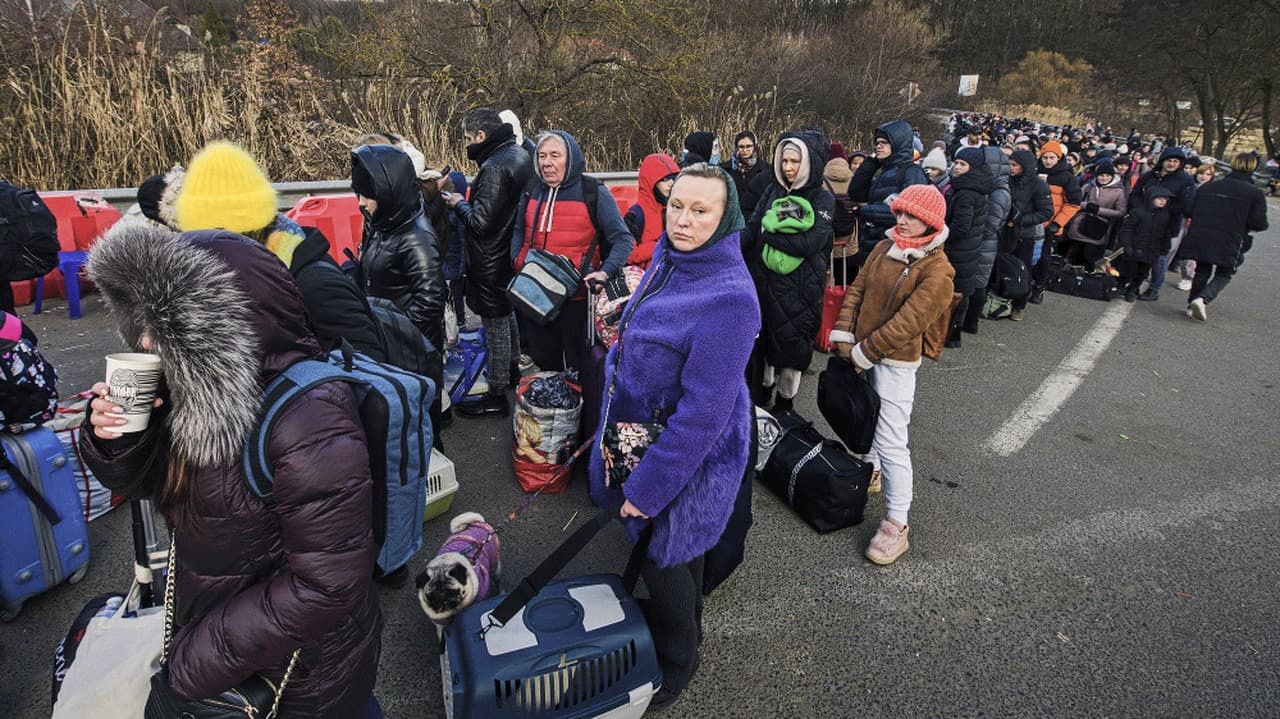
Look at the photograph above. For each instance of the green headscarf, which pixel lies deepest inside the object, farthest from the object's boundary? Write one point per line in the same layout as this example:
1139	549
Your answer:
730	222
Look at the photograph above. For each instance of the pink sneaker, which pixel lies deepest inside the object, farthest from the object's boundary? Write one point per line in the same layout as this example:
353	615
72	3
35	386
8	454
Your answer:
874	486
889	543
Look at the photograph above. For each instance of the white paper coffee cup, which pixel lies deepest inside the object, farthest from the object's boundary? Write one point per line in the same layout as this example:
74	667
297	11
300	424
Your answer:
134	380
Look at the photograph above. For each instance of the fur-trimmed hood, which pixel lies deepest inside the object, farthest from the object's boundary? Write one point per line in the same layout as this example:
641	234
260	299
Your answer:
223	314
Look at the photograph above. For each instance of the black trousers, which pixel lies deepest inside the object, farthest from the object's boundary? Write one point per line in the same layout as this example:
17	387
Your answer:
1026	250
674	613
1208	289
1132	272
561	342
974	309
6	298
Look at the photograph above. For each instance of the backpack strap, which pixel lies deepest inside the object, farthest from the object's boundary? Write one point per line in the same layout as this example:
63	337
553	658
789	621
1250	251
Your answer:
298	379
590	195
25	486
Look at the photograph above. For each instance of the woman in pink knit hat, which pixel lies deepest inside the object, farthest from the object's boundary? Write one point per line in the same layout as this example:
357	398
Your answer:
897	311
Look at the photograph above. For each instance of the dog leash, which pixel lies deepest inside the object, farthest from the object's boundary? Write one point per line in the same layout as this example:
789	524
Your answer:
513	514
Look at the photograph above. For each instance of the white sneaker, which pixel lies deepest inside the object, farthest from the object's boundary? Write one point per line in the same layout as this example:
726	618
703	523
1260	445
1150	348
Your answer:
1198	310
1184	284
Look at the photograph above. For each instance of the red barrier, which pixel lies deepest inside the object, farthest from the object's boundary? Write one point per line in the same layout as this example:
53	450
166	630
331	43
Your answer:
337	217
625	196
24	292
82	217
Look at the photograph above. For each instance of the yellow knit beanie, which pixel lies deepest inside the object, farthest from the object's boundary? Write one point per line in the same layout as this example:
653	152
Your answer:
224	188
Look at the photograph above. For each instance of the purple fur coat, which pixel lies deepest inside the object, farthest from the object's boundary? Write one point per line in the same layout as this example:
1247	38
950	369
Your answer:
681	362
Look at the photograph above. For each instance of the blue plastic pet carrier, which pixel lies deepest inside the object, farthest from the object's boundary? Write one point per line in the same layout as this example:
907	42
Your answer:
570	649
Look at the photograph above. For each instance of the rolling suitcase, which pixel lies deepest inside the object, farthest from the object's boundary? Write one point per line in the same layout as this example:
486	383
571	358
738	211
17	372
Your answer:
44	539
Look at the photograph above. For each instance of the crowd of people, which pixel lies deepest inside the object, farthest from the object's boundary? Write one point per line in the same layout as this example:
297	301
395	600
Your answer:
734	258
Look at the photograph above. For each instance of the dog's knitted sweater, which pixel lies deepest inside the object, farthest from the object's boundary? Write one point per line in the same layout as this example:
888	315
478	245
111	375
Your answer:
470	542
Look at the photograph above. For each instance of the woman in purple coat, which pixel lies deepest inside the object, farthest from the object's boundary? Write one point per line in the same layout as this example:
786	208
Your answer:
256	581
679	367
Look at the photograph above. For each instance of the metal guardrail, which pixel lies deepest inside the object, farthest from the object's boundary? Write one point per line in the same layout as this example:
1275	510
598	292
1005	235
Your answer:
288	193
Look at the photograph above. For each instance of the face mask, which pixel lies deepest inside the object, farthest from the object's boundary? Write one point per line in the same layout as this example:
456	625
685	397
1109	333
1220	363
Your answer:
715	158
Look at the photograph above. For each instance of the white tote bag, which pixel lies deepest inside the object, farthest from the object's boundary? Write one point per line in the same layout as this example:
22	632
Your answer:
111	675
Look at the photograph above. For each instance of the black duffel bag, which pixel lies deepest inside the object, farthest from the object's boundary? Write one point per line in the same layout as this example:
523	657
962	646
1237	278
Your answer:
1012	279
816	477
849	403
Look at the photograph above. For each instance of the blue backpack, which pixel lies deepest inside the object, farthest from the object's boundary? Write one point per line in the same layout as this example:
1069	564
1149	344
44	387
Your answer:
395	413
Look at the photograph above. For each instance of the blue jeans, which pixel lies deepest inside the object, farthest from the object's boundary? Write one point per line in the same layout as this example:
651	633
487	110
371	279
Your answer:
1158	269
372	710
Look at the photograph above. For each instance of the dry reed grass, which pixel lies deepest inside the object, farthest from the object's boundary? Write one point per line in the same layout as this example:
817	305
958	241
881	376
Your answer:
109	104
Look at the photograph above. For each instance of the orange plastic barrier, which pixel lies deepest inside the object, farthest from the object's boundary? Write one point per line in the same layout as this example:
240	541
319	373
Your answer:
625	196
82	217
337	217
23	292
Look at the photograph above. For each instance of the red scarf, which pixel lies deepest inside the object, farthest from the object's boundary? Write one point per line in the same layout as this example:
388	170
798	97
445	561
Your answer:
911	243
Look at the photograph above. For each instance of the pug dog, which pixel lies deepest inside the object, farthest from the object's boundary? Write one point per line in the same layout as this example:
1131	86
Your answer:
465	569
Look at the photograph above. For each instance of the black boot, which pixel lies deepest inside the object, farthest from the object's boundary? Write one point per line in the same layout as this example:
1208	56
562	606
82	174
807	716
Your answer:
782	404
1149	296
1036	296
953	337
492	404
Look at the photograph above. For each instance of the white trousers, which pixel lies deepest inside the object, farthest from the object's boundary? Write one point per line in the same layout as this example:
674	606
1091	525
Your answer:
890	452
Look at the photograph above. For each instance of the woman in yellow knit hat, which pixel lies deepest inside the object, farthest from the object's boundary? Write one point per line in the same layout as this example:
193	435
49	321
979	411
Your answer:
225	189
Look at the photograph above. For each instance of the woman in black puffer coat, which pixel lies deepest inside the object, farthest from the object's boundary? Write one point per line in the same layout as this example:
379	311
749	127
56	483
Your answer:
971	183
791	304
399	256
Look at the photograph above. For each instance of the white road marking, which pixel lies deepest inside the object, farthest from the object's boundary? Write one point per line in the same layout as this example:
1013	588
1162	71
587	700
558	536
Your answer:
1058	387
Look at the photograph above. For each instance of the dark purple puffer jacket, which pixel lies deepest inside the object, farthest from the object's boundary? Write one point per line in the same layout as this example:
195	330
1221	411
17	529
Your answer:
255	582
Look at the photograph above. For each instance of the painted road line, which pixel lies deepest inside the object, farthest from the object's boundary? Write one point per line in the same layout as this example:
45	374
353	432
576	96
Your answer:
1058	387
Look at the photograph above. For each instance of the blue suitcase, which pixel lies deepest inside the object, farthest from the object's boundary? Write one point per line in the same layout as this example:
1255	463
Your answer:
44	539
569	649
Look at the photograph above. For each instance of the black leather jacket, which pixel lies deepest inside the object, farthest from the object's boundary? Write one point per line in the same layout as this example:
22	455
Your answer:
400	256
490	218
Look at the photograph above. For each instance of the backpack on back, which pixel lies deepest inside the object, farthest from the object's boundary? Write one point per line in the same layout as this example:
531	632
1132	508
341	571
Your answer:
402	343
394	411
28	235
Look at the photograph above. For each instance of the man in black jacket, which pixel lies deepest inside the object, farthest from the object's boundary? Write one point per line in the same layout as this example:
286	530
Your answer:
1222	214
489	218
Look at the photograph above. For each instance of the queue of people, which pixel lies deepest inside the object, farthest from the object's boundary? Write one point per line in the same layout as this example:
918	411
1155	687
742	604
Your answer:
734	258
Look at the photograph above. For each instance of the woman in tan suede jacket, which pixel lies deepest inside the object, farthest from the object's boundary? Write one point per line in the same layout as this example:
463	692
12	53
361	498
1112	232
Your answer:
896	311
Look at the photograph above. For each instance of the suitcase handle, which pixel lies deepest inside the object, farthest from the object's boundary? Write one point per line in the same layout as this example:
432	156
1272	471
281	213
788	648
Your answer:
562	555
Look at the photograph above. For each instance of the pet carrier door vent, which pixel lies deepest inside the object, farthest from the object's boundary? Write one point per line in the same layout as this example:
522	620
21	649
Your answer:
573	683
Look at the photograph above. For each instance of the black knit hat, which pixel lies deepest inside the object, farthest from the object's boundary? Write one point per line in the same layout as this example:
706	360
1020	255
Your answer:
1104	167
149	194
699	145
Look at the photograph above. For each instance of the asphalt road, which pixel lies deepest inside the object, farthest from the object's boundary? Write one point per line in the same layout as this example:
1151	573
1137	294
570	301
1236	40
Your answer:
1123	563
